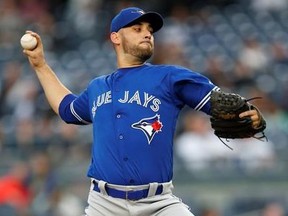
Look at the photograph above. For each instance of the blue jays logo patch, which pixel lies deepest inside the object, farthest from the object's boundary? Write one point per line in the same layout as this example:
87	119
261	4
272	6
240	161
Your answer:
150	126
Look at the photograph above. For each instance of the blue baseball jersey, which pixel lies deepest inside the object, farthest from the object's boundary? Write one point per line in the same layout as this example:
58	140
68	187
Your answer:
134	113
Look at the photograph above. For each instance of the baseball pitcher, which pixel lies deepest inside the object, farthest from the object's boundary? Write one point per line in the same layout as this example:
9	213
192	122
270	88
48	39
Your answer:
134	111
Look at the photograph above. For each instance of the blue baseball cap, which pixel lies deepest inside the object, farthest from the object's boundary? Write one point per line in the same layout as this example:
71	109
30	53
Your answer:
131	15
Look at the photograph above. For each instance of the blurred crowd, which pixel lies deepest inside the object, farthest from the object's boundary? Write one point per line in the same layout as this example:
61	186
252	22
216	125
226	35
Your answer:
240	45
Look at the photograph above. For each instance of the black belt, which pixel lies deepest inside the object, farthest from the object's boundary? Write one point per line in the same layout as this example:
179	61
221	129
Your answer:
128	195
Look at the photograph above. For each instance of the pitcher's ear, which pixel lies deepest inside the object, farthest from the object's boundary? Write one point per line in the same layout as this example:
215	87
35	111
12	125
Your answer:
114	37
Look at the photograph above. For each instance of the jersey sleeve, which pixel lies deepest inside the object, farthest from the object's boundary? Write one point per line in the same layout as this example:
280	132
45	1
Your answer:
75	109
192	89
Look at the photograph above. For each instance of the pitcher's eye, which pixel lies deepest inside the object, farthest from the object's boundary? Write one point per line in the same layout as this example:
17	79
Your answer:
137	29
150	29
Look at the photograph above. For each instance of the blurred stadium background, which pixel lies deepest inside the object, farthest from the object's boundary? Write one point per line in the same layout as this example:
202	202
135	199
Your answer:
240	45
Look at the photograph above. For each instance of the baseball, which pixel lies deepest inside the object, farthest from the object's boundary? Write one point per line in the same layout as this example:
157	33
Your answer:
28	42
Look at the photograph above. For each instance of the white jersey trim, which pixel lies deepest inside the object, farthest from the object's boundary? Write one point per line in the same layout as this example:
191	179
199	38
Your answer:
76	115
205	99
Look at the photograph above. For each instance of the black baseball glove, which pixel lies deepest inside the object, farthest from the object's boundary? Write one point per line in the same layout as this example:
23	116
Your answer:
225	120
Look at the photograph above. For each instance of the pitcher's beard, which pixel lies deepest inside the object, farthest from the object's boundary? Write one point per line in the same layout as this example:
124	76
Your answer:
145	55
142	54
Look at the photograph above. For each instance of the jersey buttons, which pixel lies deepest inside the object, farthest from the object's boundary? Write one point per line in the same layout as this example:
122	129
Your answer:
118	116
121	137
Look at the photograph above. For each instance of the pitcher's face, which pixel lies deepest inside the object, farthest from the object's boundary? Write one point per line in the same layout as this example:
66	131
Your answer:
138	41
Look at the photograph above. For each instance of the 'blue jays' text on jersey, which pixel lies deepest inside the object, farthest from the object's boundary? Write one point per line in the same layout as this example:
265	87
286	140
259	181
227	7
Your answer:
134	112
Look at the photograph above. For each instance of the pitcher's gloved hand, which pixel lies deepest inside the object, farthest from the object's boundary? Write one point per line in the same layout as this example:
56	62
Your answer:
225	120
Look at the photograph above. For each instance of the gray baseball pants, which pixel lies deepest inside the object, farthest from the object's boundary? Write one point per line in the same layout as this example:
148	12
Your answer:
164	204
